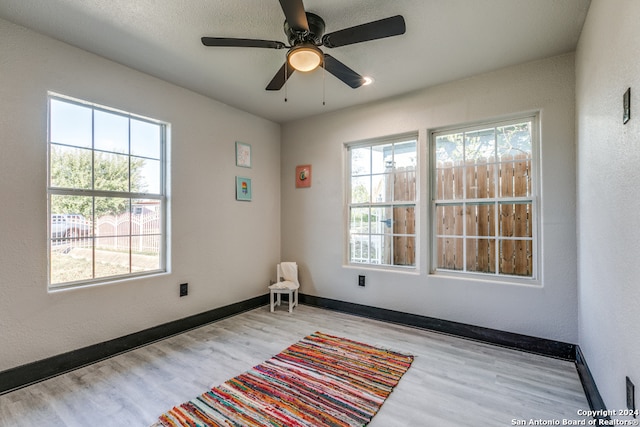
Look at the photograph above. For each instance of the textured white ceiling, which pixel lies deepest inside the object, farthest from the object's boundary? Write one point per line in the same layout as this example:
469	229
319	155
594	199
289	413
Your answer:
445	40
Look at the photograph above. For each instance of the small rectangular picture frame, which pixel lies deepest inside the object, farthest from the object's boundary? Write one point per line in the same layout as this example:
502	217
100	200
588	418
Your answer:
626	106
243	154
243	189
303	176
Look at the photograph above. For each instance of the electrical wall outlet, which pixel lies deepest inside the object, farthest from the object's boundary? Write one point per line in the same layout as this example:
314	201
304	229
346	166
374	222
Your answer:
360	280
184	289
631	396
626	106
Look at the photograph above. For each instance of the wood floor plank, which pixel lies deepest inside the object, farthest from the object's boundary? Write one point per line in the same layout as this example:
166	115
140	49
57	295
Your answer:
452	382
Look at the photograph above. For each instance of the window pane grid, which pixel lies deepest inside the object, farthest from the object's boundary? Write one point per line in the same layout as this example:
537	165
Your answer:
382	203
483	200
106	201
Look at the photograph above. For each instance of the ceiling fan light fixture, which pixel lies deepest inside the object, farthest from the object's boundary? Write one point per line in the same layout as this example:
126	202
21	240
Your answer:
305	57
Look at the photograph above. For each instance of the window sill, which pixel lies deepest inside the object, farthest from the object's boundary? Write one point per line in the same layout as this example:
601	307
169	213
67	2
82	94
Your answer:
108	281
487	279
384	268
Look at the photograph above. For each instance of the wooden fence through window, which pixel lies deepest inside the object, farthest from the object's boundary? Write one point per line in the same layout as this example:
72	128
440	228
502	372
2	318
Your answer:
508	192
404	217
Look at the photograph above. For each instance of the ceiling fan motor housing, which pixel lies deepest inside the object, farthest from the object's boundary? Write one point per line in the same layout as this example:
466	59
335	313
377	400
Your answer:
314	36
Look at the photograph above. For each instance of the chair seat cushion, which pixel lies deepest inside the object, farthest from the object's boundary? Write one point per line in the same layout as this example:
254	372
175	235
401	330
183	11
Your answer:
284	285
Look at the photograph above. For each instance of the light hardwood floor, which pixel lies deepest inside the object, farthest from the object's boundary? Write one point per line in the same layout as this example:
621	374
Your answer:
452	382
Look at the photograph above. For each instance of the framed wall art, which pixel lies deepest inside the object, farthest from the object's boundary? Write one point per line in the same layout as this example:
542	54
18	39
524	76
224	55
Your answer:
303	176
243	155
243	189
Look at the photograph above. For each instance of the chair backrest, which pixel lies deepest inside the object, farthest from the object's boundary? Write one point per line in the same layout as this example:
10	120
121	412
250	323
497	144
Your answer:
287	271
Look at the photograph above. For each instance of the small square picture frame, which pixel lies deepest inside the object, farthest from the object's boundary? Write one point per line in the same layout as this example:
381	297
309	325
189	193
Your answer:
303	176
626	106
243	154
243	189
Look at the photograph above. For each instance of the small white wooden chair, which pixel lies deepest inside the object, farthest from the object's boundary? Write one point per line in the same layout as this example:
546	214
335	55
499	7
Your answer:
286	283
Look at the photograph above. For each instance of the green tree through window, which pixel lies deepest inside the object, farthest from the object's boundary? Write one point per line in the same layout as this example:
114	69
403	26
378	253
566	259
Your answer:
115	174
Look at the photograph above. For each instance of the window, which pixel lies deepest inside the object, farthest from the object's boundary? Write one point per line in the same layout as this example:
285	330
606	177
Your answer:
106	194
484	199
382	201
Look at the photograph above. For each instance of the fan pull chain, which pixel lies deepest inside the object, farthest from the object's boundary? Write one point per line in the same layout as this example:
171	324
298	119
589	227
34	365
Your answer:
286	69
323	85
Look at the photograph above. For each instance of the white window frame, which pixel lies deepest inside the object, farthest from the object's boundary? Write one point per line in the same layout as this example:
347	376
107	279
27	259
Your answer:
394	139
533	198
160	196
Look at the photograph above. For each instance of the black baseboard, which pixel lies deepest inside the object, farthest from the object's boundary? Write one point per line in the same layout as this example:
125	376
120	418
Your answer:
24	375
526	343
545	347
590	388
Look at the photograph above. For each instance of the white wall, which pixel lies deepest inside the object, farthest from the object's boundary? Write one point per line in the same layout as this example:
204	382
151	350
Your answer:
313	219
225	249
607	63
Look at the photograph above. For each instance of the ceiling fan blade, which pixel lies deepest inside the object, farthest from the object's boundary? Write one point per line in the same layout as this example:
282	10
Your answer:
224	41
295	14
281	77
342	72
388	27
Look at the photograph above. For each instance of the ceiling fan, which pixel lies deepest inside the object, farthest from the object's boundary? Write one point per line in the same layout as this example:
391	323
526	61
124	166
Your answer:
305	32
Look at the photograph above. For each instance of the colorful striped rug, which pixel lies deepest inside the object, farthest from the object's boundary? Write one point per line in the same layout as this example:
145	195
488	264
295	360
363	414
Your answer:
322	380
